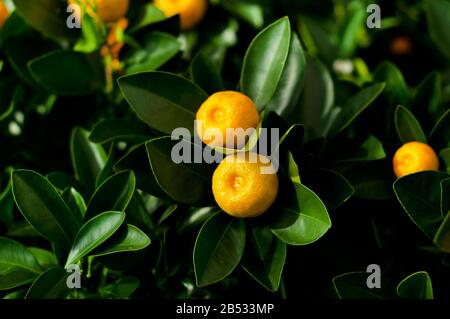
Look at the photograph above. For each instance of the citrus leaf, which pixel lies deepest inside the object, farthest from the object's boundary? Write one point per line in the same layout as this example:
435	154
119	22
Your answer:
396	88
122	288
440	134
118	129
51	284
416	286
408	128
353	285
205	74
13	255
437	13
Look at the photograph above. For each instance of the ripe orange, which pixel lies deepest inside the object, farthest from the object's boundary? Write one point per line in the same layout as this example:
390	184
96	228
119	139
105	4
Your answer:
191	11
226	110
4	13
414	157
245	184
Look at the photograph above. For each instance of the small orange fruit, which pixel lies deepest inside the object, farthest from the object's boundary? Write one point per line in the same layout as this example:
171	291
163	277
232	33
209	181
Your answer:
245	184
414	157
401	45
191	11
226	110
4	13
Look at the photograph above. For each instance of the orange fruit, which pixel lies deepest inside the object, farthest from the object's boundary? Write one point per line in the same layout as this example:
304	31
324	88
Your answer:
4	13
414	157
401	45
245	184
226	110
191	11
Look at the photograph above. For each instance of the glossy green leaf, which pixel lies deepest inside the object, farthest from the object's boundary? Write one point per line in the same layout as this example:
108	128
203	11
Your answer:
167	110
130	238
408	128
67	73
43	207
263	66
51	284
137	160
205	74
122	288
288	93
293	170
118	129
437	13
416	286
46	17
353	285
14	255
75	202
354	107
249	11
187	183
113	195
420	196
440	134
157	48
88	159
218	248
264	257
44	257
93	233
396	88
302	221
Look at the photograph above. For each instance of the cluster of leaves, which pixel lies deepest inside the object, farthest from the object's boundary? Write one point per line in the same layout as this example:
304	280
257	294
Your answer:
119	190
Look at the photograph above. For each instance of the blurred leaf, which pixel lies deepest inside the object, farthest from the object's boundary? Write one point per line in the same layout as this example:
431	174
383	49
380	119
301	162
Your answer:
88	159
355	22
167	110
44	257
17	294
218	248
93	35
7	205
288	91
157	49
118	129
416	286
122	288
302	221
206	74
396	88
420	196
263	66
113	195
354	107
51	284
445	155
437	13
22	229
428	97
67	73
442	236
45	16
43	207
264	257
440	134
151	14
187	183
408	128
13	255
130	238
93	233
248	10
353	285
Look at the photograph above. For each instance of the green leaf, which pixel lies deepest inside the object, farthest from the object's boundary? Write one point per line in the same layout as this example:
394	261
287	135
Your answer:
263	66
15	278
293	170
353	285
46	17
187	183
445	155
428	97
416	286
437	13
88	159
13	255
93	35
167	111
264	257
43	207
93	233
130	238
122	288
349	37
288	93
62	181
317	98
408	128
205	73
67	73
75	202
167	213
157	49
17	294
354	107
51	284
396	88
137	160
218	248
249	11
304	220
442	236
371	150
440	134
113	195
420	196
118	129
44	257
